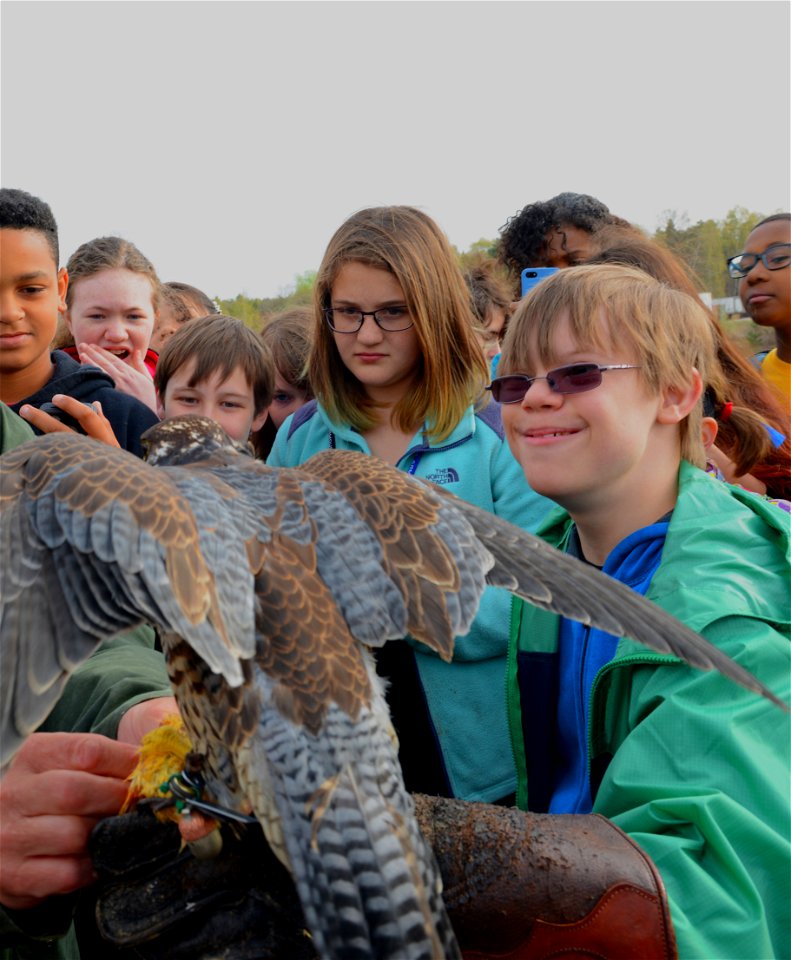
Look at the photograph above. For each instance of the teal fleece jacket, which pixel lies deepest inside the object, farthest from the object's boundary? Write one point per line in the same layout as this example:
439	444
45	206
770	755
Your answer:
693	767
464	698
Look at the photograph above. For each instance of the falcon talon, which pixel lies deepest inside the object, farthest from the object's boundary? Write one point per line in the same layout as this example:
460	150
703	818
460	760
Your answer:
201	834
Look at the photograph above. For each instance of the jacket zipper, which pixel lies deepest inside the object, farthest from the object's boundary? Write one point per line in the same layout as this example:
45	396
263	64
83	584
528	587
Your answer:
630	660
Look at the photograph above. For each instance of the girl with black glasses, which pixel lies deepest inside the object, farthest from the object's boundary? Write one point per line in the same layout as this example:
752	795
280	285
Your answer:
398	373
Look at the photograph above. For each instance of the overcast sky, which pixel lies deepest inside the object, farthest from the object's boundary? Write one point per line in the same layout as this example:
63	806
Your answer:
229	140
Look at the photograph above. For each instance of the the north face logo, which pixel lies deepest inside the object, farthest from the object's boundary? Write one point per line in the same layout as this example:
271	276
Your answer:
443	476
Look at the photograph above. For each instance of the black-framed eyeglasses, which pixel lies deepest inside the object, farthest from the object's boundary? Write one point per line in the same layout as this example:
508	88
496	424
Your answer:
775	257
575	378
349	320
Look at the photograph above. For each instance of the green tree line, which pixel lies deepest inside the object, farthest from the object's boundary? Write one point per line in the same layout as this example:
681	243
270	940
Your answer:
255	311
704	246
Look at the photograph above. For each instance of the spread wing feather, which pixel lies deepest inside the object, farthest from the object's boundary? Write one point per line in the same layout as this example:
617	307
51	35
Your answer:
410	546
518	561
583	593
96	533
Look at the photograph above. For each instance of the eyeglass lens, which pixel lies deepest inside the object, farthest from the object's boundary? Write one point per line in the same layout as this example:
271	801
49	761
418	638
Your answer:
349	320
576	378
775	257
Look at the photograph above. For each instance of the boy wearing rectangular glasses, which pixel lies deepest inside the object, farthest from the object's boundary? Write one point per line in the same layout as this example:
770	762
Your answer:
680	779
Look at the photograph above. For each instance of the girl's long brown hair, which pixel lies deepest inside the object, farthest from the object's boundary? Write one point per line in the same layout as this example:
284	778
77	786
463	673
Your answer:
453	371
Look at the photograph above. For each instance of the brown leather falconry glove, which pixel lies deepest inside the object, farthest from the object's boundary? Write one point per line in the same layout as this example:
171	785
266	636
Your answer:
527	886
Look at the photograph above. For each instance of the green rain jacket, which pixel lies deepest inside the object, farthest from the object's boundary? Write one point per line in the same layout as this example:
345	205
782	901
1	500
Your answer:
693	767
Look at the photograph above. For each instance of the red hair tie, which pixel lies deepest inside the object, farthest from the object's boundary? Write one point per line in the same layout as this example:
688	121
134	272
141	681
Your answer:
725	413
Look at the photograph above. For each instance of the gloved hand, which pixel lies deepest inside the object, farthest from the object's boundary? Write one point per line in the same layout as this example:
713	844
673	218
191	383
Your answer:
518	886
526	886
156	903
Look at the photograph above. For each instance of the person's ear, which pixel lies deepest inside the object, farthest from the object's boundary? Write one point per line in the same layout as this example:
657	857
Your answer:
160	406
709	429
260	420
677	402
63	285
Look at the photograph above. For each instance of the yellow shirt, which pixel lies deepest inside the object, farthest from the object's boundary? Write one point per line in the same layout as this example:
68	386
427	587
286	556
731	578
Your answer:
778	373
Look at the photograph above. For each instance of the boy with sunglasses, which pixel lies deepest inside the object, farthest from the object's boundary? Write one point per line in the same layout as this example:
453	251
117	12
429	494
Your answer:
678	779
765	291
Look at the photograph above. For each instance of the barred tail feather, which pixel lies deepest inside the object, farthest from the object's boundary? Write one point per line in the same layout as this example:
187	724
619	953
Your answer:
367	880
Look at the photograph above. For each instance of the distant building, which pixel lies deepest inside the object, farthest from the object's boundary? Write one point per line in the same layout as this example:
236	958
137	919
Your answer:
731	306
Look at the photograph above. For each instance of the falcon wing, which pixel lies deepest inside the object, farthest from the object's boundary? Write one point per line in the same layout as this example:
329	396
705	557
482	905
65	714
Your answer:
313	751
99	541
409	515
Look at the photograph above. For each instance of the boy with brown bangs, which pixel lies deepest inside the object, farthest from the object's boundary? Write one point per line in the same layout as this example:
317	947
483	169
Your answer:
679	780
217	368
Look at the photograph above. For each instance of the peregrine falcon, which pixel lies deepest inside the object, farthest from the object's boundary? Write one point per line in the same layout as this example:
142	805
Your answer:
269	588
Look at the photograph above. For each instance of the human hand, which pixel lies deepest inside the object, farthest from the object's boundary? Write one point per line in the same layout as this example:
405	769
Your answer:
131	375
58	786
90	417
145	716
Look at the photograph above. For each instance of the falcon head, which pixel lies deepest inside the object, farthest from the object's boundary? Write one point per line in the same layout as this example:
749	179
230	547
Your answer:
188	439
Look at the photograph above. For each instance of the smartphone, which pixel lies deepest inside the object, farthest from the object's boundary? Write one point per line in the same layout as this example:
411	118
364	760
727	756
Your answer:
533	275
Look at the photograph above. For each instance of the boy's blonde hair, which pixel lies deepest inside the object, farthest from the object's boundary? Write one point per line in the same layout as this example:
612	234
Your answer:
453	372
665	331
218	343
